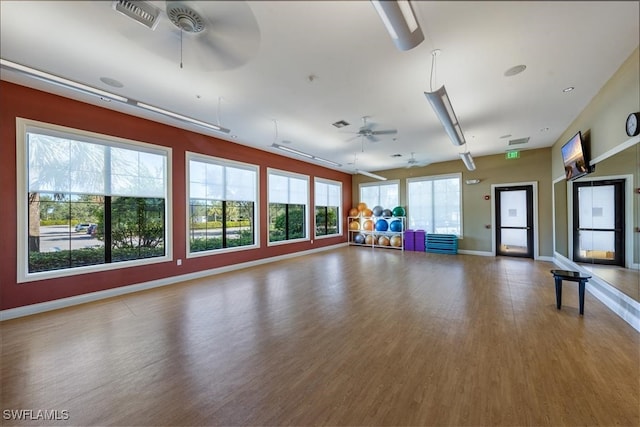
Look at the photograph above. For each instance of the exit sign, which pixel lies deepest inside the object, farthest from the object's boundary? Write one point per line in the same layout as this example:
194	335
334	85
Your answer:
512	155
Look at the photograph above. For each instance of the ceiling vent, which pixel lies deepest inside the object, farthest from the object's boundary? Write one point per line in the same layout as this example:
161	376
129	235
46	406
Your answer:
518	141
340	124
140	11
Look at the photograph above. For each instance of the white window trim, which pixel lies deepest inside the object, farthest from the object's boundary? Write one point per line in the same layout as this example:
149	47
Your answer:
308	204
457	175
222	162
23	275
378	184
340	230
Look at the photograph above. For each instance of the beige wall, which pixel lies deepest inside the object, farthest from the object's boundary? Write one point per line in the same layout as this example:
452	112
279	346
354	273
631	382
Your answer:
613	153
604	118
532	166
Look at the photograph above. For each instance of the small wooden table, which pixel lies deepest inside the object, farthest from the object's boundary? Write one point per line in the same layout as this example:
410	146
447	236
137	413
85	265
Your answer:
572	276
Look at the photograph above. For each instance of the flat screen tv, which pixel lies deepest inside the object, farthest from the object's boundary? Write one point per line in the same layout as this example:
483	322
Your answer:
576	163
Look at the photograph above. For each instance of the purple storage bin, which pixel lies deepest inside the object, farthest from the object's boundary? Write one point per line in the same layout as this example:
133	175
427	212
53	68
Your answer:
419	239
409	240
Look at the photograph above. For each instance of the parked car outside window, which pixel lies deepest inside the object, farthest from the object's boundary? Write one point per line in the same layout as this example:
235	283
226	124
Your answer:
83	226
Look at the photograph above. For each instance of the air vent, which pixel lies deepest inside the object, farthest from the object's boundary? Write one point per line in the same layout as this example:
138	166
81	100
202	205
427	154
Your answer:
140	11
340	124
518	141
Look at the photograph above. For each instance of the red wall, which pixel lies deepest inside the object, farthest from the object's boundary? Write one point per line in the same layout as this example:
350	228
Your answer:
19	101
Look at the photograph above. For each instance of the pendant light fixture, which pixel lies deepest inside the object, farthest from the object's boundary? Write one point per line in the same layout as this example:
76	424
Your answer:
401	23
468	161
441	104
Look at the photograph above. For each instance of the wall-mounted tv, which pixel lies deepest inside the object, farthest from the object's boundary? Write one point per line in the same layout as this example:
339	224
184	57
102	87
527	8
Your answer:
574	157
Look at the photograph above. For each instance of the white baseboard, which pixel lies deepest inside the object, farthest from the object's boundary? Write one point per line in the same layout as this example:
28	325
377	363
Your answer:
42	307
621	304
478	253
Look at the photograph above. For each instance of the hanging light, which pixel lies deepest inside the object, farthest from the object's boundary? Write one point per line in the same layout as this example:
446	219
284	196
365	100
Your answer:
468	161
441	104
371	175
401	23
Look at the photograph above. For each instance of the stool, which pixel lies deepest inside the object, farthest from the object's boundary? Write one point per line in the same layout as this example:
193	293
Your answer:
572	276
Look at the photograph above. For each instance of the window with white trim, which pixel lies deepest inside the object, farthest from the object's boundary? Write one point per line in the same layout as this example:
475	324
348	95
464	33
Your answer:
88	200
222	204
328	199
288	206
386	195
435	204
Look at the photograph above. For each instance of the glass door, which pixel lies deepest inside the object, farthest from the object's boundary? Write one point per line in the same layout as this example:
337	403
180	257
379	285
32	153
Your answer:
598	222
514	219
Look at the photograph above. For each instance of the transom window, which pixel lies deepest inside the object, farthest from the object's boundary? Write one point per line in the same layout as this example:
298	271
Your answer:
288	206
222	204
328	199
88	200
435	204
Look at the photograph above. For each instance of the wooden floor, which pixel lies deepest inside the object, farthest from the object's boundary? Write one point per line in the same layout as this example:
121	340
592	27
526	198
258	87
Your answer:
354	336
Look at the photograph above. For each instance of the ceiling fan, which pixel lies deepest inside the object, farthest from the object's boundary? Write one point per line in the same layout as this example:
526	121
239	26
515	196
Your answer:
367	131
413	162
215	35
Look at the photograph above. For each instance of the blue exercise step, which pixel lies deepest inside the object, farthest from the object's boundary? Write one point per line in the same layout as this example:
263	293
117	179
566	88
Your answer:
441	243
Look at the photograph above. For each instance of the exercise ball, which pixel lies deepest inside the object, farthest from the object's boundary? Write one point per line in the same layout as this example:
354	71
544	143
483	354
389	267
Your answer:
358	238
354	212
367	212
370	239
383	241
377	211
386	213
367	225
362	206
381	225
396	241
398	211
354	225
396	226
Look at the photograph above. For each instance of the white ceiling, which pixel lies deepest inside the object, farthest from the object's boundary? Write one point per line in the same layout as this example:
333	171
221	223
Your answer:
356	69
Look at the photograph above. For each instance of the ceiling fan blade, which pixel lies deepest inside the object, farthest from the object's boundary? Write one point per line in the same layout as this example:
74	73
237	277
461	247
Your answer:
231	36
372	138
385	132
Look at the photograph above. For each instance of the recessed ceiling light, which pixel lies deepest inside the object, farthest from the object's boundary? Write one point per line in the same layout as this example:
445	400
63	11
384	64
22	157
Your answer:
396	155
515	70
568	89
111	82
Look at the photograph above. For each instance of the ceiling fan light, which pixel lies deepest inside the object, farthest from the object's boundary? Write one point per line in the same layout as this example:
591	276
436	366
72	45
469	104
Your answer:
401	23
441	104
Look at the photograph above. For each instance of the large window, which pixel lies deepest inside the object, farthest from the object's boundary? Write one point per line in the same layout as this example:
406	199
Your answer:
328	198
385	195
288	206
222	204
435	204
88	200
